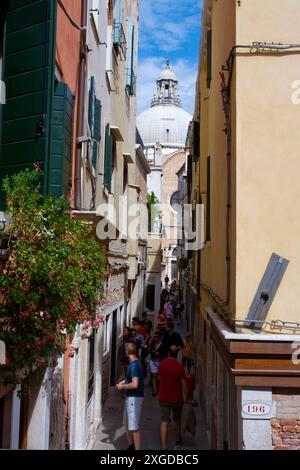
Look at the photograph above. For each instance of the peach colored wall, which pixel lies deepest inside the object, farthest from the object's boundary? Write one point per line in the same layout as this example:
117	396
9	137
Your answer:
68	55
68	64
68	44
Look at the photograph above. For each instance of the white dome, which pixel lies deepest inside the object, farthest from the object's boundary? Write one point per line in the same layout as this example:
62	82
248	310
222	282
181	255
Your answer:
167	74
164	124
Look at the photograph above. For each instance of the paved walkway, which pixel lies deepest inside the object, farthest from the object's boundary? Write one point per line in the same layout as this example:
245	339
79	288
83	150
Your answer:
111	434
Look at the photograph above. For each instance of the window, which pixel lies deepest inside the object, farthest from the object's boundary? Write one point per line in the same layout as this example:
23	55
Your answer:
208	200
150	297
91	365
175	201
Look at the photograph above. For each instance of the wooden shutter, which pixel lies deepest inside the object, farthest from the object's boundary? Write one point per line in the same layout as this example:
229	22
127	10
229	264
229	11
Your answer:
209	58
60	168
267	290
92	99
129	69
94	118
118	11
97	132
108	159
196	140
190	172
29	57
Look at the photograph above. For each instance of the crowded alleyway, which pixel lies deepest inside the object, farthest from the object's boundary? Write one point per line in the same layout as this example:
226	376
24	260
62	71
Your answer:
111	435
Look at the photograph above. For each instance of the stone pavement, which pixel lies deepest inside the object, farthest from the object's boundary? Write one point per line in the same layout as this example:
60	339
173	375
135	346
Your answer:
111	433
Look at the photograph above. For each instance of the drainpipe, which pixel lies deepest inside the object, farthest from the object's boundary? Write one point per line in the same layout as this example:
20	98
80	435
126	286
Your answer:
225	92
81	102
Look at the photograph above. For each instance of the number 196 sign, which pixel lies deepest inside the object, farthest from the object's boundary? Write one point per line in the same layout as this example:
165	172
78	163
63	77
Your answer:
256	409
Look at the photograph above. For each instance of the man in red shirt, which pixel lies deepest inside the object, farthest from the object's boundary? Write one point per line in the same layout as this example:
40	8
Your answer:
136	324
173	393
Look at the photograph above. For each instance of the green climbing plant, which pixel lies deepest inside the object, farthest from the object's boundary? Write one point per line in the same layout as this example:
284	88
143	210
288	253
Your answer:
50	282
154	213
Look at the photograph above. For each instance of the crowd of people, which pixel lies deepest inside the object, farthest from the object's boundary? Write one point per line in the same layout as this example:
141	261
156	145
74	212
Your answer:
153	350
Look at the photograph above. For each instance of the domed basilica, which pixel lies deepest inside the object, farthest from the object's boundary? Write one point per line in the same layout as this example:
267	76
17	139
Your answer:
163	128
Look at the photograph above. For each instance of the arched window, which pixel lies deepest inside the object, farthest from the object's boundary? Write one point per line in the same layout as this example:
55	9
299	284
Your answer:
175	201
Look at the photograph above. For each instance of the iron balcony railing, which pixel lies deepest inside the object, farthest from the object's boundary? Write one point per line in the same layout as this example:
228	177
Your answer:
119	40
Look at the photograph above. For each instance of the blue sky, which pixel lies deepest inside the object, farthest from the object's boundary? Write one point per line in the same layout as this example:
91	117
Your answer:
168	29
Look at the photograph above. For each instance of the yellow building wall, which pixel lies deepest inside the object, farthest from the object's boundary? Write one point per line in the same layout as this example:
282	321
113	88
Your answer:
265	153
213	144
268	149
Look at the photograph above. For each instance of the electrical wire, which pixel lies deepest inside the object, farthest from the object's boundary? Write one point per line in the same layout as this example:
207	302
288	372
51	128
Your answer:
72	21
278	324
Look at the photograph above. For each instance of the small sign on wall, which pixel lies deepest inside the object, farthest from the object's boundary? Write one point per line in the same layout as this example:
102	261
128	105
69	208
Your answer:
258	410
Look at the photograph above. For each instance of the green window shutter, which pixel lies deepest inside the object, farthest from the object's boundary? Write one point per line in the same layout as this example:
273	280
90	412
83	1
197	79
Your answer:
118	11
196	141
129	68
60	165
92	99
209	58
97	132
108	159
117	35
190	172
29	58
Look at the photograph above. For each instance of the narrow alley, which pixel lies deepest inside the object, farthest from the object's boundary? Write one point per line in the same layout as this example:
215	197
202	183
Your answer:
112	435
149	226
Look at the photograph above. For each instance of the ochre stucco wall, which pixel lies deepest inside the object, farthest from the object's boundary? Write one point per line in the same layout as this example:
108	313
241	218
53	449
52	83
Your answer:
268	149
213	145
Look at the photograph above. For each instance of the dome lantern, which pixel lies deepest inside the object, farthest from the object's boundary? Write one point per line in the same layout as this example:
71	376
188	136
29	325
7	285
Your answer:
165	122
166	88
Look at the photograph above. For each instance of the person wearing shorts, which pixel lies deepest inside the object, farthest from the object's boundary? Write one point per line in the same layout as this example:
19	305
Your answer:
173	393
134	389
